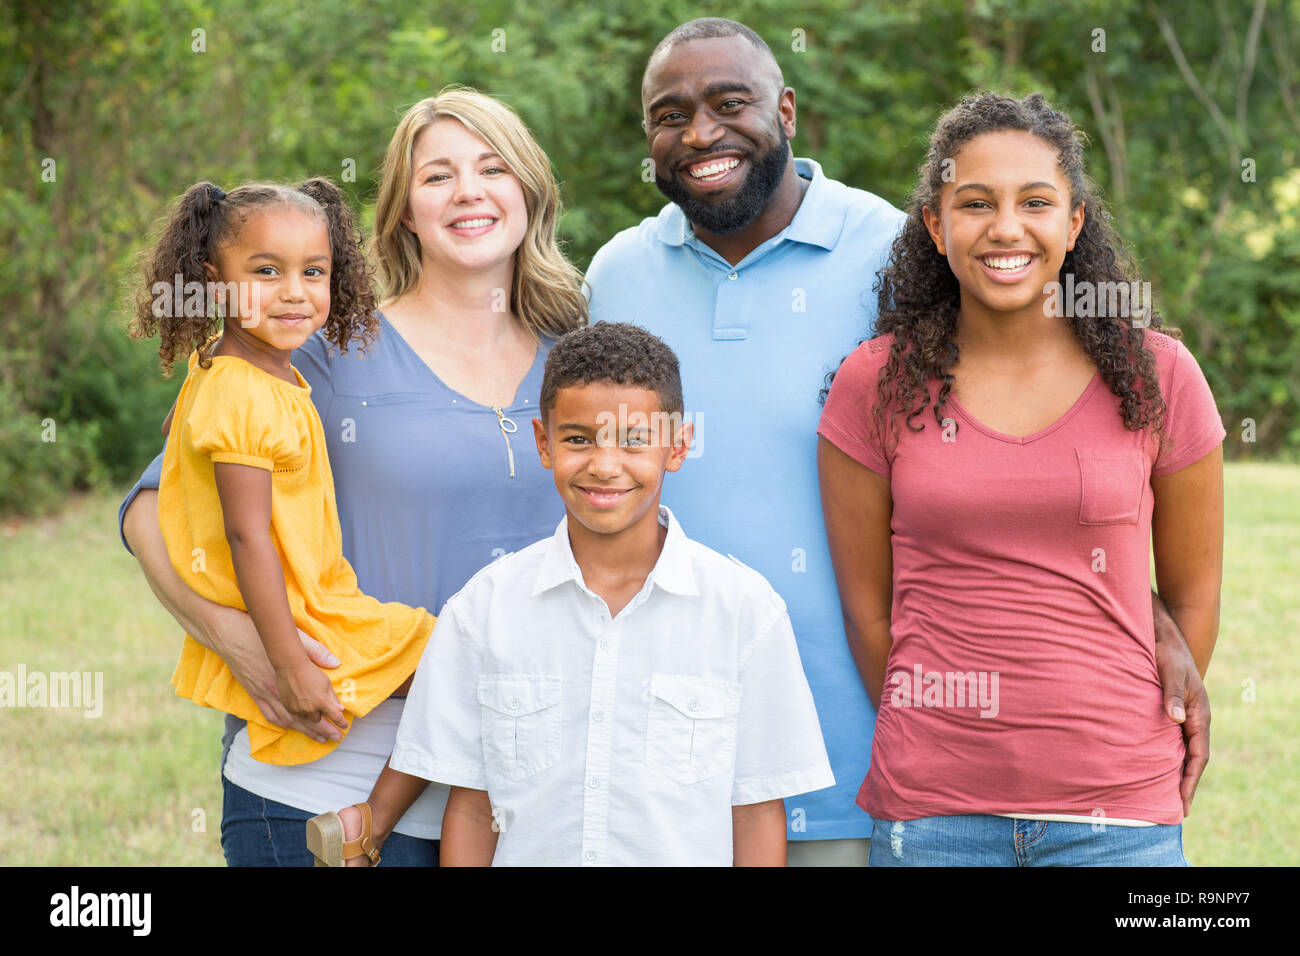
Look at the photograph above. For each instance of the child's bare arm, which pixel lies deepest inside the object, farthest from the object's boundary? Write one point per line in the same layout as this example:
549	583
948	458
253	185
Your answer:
393	794
857	504
758	834
468	837
226	630
245	494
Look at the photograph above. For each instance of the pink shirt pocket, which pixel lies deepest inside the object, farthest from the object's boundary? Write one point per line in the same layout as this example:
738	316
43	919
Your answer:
1111	487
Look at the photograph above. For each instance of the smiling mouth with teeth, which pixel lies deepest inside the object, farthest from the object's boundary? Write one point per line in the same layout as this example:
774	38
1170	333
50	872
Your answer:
472	223
714	170
1007	263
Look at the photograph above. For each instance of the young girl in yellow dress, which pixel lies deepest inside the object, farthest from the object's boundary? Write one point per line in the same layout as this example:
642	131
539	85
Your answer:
246	502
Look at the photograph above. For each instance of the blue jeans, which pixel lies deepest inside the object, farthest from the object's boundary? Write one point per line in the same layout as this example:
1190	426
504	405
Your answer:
260	832
984	840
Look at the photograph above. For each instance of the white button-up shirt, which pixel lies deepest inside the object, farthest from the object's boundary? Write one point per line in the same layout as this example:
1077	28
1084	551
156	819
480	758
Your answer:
614	740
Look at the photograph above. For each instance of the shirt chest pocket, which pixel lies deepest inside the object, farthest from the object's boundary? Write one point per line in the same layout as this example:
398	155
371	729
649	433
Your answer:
1111	488
520	723
691	731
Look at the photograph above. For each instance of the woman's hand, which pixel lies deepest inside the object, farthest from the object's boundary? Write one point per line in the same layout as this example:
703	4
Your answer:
230	633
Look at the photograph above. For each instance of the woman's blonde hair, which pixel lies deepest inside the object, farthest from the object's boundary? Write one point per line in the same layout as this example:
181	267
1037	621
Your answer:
546	289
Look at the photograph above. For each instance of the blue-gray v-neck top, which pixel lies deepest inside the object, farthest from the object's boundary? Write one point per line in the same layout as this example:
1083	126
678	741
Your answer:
422	474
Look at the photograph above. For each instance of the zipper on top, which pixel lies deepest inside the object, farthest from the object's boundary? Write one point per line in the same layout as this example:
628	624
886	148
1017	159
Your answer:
508	428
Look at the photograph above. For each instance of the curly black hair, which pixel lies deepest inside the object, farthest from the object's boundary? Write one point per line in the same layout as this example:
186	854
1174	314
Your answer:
919	298
613	352
204	220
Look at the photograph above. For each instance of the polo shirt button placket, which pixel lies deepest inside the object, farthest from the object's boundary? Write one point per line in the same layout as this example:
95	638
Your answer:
731	307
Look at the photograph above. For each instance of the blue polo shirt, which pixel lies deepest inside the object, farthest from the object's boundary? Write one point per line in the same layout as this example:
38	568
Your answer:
755	342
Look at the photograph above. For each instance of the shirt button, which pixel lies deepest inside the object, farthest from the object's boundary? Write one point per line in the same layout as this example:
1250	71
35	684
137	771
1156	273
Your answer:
590	854
598	716
594	783
734	275
604	644
515	703
694	705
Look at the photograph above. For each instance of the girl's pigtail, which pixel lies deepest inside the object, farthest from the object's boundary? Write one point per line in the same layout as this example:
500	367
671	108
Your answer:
352	299
174	301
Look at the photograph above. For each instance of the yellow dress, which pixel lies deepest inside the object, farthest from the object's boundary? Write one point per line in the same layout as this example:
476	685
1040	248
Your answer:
235	412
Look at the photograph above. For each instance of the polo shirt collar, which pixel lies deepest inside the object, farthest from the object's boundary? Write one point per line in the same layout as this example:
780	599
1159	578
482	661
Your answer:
674	571
818	221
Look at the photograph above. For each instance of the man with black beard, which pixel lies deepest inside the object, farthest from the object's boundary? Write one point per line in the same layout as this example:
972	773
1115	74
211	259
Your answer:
758	274
727	215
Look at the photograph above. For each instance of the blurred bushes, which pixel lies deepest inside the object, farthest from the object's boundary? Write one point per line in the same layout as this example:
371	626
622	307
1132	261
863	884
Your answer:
111	108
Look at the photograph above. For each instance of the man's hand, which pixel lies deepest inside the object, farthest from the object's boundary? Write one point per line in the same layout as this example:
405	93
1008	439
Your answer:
1186	701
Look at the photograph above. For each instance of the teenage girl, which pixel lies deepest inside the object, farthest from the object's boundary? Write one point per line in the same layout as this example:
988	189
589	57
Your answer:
246	500
995	467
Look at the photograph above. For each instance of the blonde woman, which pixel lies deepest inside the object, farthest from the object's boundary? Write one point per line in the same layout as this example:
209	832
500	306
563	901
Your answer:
432	480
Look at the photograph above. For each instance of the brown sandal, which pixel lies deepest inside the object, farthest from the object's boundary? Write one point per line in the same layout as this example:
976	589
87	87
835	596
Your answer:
325	839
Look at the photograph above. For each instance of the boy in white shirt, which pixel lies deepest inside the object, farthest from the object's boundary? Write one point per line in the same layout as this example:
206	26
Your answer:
617	694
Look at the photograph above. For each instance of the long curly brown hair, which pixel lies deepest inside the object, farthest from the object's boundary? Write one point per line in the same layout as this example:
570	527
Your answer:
202	222
919	298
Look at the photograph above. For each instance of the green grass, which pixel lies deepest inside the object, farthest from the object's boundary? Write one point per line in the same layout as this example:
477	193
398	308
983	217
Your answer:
1247	809
120	789
123	789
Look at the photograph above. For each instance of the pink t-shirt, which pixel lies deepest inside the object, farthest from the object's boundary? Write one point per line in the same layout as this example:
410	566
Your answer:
1022	676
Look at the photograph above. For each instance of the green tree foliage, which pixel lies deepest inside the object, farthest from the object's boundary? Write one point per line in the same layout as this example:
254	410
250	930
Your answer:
110	108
